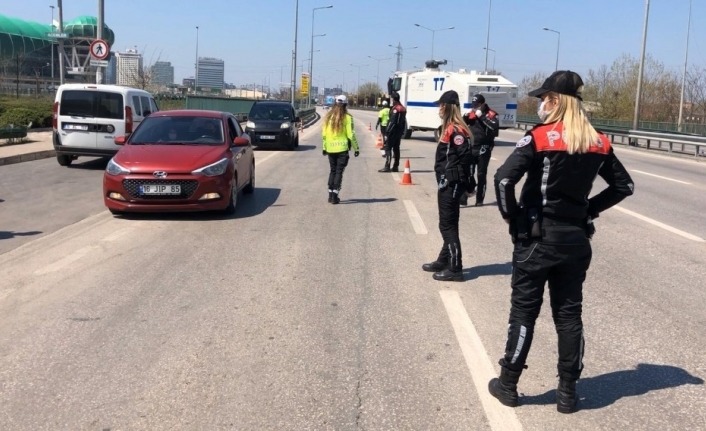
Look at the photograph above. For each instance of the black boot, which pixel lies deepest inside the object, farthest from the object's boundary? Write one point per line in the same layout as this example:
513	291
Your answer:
335	199
395	167
435	266
330	196
504	388
566	397
448	275
385	169
464	199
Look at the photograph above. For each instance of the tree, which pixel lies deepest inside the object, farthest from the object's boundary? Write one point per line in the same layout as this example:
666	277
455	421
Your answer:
527	105
368	93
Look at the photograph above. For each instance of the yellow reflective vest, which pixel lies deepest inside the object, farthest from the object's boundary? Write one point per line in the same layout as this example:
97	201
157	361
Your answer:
339	142
384	116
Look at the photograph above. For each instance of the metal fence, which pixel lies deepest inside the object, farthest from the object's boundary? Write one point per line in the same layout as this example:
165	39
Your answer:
656	126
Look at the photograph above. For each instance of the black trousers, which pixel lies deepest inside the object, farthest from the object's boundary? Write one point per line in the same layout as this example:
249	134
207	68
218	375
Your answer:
480	159
338	163
449	200
392	149
561	259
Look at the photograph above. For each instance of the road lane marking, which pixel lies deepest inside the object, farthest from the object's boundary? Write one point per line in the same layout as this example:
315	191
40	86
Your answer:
659	176
500	417
493	158
117	234
415	218
263	160
660	224
66	261
396	177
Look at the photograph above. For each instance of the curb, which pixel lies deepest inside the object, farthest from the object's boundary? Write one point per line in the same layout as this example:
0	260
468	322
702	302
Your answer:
28	157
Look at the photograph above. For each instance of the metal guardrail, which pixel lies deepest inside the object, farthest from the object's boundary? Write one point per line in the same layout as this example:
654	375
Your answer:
651	126
671	143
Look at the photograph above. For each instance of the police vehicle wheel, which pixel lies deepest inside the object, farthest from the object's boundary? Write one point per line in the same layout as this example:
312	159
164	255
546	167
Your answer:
408	133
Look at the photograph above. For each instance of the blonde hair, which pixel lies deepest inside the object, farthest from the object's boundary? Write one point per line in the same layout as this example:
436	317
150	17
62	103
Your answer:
334	120
452	115
578	132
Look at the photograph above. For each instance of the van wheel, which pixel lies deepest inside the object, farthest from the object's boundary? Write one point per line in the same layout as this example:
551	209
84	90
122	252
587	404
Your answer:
408	133
64	160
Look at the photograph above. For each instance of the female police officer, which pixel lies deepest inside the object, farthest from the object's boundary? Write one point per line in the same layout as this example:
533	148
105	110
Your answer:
338	136
551	227
451	167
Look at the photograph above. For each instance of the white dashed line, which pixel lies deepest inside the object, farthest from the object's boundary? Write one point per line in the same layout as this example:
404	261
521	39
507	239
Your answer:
501	418
264	159
661	177
396	177
68	260
415	218
660	224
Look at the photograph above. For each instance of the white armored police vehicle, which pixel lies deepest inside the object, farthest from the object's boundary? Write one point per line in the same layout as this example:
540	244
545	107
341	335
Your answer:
419	90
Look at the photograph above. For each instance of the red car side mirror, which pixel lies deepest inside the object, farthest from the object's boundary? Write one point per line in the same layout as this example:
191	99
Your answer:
120	140
241	142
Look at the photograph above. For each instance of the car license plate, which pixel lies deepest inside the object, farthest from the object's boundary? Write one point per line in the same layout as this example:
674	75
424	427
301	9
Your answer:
267	137
83	127
160	189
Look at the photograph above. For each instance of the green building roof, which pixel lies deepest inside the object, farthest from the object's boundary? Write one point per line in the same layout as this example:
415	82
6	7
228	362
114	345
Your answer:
17	35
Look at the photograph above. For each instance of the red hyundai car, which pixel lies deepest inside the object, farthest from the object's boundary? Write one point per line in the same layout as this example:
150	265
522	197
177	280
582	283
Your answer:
183	160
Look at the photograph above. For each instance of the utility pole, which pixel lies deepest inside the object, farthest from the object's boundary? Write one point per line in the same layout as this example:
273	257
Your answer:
52	46
196	66
399	54
487	38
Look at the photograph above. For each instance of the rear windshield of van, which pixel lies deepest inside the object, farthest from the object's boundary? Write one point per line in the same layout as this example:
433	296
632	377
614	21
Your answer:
97	104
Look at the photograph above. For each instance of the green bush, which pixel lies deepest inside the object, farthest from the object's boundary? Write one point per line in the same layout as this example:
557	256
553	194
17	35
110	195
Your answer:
22	111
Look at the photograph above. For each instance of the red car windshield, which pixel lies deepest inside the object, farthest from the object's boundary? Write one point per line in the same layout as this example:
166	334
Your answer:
179	130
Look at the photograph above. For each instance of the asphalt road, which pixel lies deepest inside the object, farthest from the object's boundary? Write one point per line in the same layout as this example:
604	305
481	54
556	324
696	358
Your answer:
297	314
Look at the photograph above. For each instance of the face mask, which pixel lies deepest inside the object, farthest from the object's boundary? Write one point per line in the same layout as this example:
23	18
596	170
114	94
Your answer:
541	113
441	113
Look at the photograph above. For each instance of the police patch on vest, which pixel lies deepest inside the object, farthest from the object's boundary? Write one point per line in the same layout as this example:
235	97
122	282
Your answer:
524	141
459	140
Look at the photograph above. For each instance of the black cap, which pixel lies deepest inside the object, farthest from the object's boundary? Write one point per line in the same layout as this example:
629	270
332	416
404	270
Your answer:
478	98
449	97
562	82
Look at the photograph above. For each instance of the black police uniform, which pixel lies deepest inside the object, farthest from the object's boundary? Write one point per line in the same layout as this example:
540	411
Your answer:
485	130
450	167
551	228
395	131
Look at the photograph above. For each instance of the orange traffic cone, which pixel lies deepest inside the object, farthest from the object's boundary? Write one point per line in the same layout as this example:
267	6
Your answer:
407	176
379	142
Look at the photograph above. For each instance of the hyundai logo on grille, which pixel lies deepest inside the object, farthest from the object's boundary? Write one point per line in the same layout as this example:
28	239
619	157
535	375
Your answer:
159	174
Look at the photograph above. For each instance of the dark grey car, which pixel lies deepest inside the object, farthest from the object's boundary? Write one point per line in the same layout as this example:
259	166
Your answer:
273	123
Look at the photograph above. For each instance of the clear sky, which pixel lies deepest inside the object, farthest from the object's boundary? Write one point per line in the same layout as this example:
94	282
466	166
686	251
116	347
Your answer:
255	38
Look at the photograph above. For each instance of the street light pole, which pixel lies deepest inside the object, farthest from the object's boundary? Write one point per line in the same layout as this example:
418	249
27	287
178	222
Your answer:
359	66
557	46
638	96
377	76
433	32
196	75
486	58
101	19
311	62
487	38
294	55
683	79
52	46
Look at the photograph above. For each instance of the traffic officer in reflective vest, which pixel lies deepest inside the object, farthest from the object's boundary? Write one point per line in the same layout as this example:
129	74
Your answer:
338	136
395	130
551	227
484	125
383	119
450	168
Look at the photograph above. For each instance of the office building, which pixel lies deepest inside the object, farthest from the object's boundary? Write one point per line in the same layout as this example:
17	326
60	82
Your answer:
162	74
211	73
130	72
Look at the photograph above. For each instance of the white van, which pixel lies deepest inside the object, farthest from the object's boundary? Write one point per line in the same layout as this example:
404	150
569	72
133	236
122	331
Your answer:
88	117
